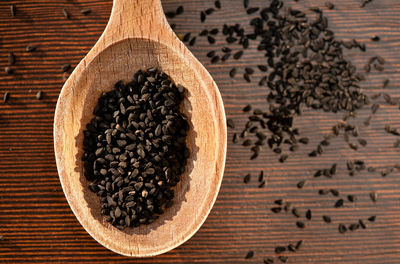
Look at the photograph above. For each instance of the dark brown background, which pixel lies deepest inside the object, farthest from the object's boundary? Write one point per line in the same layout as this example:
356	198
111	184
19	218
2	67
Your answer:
38	225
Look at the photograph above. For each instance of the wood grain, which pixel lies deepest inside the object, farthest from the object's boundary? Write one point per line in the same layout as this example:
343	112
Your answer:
39	226
138	37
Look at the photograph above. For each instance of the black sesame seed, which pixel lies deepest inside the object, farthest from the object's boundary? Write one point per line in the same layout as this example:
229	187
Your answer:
215	59
301	184
298	244
247	178
278	202
372	218
211	54
186	37
252	10
342	228
230	123
373	196
202	16
262	184
192	41
246	76
232	74
214	31
179	10
170	14
211	40
280	249
261	176
326	219
237	55
209	11
308	214
300	224
339	203
217	4
351	198
249	255
354	227
86	11
276	210
361	222
283	259
246	3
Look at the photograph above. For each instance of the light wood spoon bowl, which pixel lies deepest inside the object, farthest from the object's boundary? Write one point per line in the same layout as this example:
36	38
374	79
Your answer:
138	37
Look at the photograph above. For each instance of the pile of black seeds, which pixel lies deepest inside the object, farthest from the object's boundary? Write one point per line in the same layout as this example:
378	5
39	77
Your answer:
135	148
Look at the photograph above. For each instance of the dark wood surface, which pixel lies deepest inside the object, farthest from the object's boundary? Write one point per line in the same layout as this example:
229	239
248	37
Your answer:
38	225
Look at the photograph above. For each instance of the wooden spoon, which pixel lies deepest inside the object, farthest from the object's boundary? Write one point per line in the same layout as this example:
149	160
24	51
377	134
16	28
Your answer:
138	37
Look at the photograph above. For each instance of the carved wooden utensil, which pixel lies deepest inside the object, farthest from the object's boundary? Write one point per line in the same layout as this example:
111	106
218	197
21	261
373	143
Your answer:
138	37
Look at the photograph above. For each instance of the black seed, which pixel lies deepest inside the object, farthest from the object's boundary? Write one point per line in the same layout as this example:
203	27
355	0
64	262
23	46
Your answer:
339	203
209	11
354	227
326	219
39	95
179	10
226	49
247	77
386	83
283	259
283	158
247	178
308	214
261	176
170	14
298	244
211	54
268	261
246	3
304	141
11	58
373	196
249	255
247	108
217	4
300	224
231	39
230	123
215	59
211	40
262	184
249	70
372	218
276	210
204	32
6	97
334	192
235	138
301	184
262	68
186	37
247	142
8	70
65	67
86	11
30	48
192	41
362	142
232	73
363	226
351	198
278	202
13	10
252	10
237	55
342	228
279	250
323	192
202	16
295	212
65	13
291	248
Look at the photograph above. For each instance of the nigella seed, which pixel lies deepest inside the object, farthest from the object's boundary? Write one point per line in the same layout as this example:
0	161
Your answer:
30	48
202	16
280	249
283	158
246	3
65	67
308	214
11	58
375	38
386	83
298	244
179	10
215	59
13	10
226	50
235	138
186	37
323	192
278	202
339	203
232	73
334	192
204	32
86	11
209	11
354	227
295	212
217	4
291	248
262	184
300	224
304	141
6	97
247	178
246	76
231	39
237	55
230	123
362	142
301	184
372	218
211	40
247	108
261	176
276	210
170	14
252	10
326	219
351	198
192	41
262	68
269	261
362	224
214	31
249	255
373	196
211	54
247	142
342	228
249	70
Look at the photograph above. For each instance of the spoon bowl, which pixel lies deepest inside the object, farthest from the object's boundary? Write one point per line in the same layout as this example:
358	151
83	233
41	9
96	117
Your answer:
138	37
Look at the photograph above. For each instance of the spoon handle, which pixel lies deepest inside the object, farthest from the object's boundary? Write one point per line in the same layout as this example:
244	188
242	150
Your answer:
136	19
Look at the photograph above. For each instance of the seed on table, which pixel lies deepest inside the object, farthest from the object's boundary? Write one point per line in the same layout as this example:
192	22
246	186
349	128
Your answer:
211	54
30	48
226	50
283	259
237	55
65	13
262	68
235	138
217	4
11	58
309	214
204	32
298	244
232	73
230	123
13	10
295	212
247	142
342	228
300	224
179	10
362	142
301	184
86	11
262	184
269	261
373	196
386	83
214	31
326	219
6	96
215	59
65	67
209	11
372	218
246	76
323	192
246	3
339	203
186	37
252	10
261	176
351	198
211	40
361	222
249	70
280	249
249	255
278	202
354	227
334	192
247	178
202	16
276	210
39	95
375	38
192	41
247	108
8	70
283	158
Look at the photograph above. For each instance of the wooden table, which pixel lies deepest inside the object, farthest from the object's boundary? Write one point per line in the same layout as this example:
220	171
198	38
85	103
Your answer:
38	225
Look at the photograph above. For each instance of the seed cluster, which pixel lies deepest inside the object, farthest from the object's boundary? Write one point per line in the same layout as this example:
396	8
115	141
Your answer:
135	148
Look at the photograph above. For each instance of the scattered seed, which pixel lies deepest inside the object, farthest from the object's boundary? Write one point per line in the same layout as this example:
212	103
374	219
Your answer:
237	55
6	97
308	214
342	228
373	196
249	255
66	14
8	70
300	224
247	178
283	259
301	184
372	218
30	48
339	203
326	219
39	95
65	67
86	11
11	58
